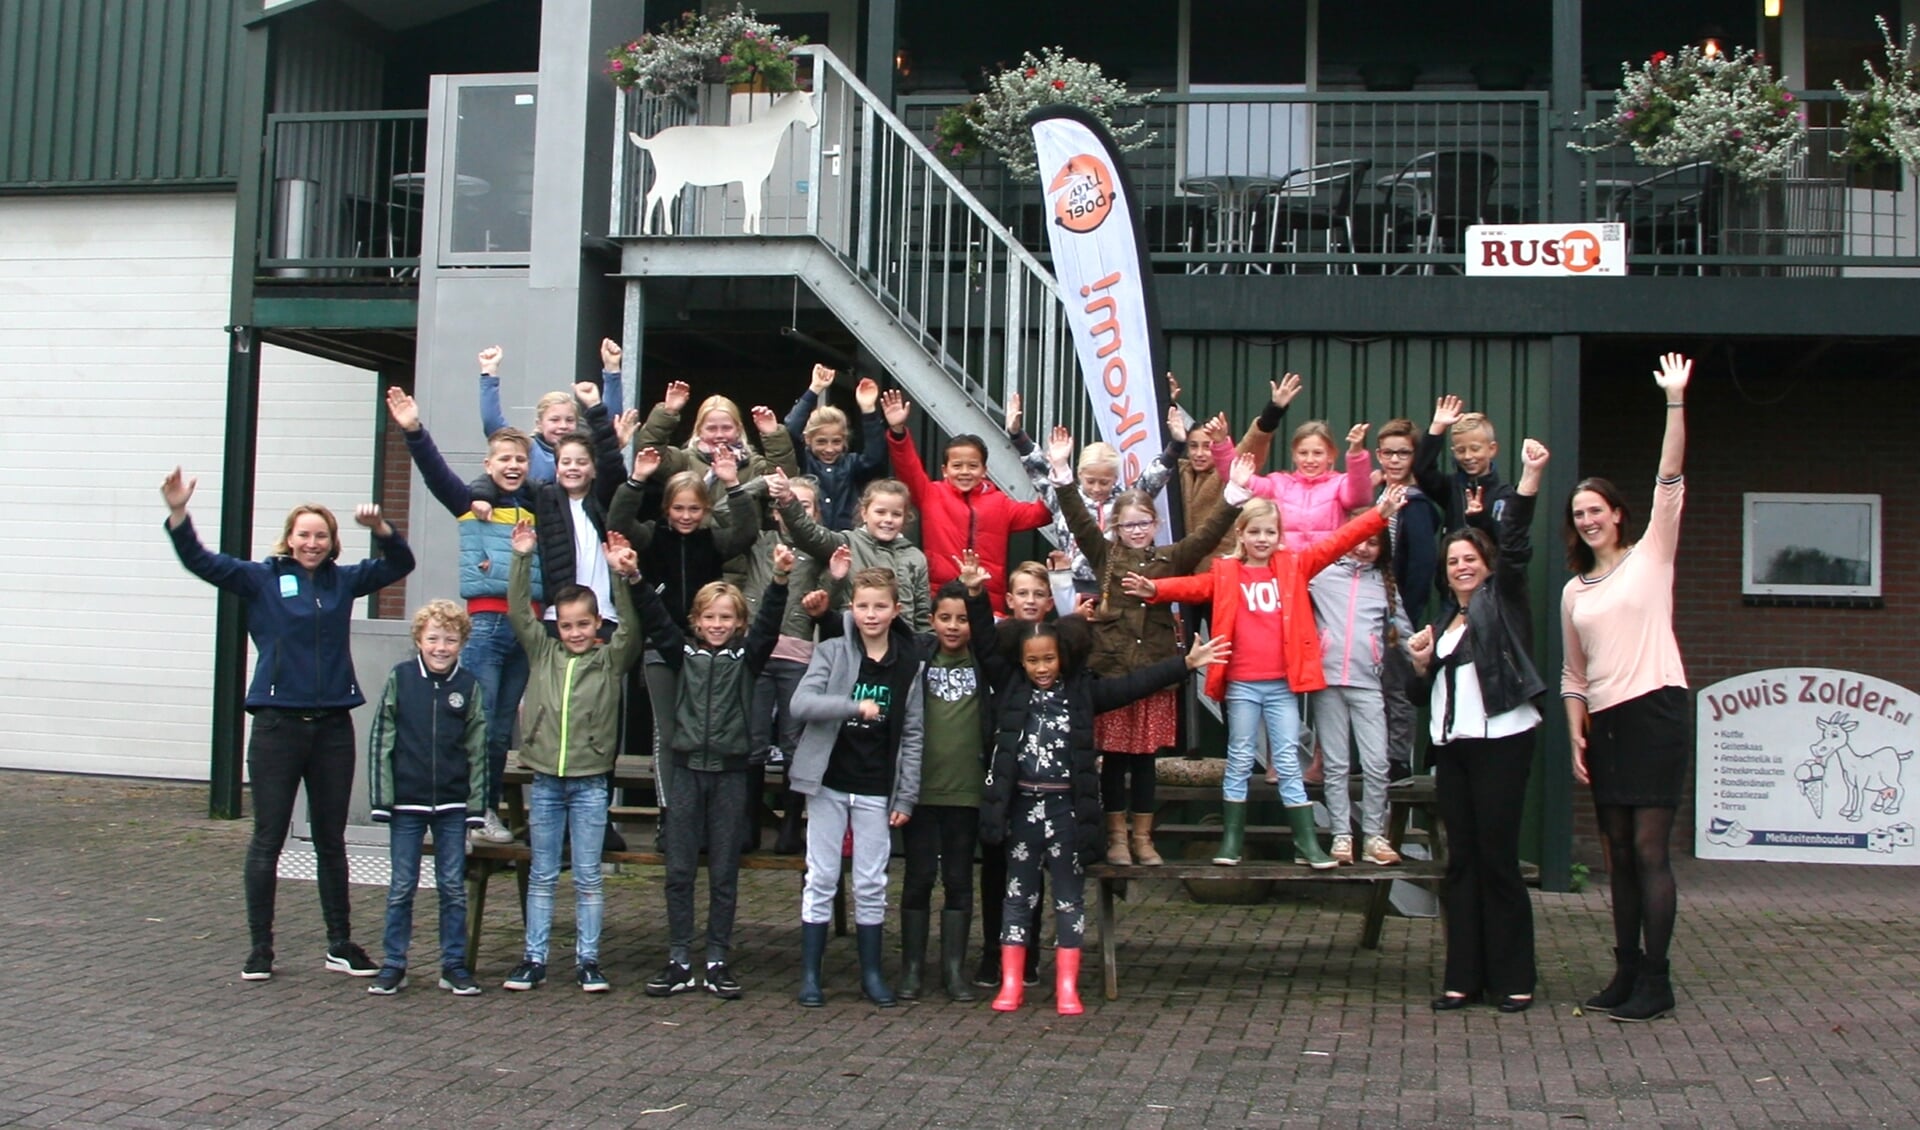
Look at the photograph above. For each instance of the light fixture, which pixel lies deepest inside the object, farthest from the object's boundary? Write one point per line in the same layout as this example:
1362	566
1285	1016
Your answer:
903	62
1710	47
1772	9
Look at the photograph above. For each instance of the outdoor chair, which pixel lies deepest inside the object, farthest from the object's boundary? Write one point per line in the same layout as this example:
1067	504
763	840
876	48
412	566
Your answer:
1318	198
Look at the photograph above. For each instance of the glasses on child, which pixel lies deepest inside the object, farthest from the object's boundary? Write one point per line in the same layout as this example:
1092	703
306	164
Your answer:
1396	453
1136	527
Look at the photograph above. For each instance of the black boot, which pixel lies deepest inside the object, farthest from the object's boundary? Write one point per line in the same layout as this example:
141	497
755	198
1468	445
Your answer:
813	948
873	983
914	925
1652	994
792	839
1626	967
954	927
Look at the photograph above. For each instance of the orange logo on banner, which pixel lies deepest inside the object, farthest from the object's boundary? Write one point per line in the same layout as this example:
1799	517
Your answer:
1085	193
1580	251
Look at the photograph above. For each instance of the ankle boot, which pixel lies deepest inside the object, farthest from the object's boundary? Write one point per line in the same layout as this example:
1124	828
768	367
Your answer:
1117	852
1626	969
873	983
954	926
1306	838
1233	832
1066	981
1652	994
1013	959
791	839
914	925
1141	842
813	948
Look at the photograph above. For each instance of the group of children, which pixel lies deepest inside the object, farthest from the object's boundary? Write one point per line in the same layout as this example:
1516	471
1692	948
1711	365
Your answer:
979	706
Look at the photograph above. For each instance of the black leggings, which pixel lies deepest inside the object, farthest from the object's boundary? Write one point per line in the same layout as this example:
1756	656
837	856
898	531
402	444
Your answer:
288	749
940	840
1640	875
1117	772
1482	790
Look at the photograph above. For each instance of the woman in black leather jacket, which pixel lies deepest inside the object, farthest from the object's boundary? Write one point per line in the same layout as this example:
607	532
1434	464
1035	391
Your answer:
1475	656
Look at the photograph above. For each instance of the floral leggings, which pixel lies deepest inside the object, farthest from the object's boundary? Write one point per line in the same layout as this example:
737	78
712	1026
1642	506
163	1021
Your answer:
1041	837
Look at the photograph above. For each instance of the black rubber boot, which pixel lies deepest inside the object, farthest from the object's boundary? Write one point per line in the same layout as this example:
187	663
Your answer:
914	925
813	949
1652	994
954	927
1626	969
873	983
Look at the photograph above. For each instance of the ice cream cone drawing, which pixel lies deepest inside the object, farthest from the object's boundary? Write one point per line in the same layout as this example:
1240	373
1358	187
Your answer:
1812	775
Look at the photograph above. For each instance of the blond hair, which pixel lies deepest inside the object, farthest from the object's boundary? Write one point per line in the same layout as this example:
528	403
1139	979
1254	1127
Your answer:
1309	430
712	593
1255	508
286	531
551	400
1474	421
442	614
1033	571
514	436
1099	455
718	403
686	482
826	416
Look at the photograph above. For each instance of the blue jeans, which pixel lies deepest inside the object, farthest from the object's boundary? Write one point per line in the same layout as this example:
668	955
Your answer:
450	878
557	808
1250	706
496	659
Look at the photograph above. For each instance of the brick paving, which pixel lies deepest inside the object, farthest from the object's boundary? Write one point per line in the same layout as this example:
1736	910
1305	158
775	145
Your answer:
121	1005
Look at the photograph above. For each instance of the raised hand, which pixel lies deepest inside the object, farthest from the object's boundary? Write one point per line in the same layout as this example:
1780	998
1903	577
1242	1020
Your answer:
587	393
972	574
490	360
1391	500
625	424
1015	413
622	561
866	394
895	409
1420	647
1138	584
840	564
1059	447
1217	649
814	603
177	489
1241	472
764	421
1059	561
1218	428
523	537
368	515
1475	499
779	487
645	462
1173	389
1446	413
1357	437
609	355
1675	371
1176	423
821	380
1534	455
1285	389
618	540
782	556
726	466
400	406
675	401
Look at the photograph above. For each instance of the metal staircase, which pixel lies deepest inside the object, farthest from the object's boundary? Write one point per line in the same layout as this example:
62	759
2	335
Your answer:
932	285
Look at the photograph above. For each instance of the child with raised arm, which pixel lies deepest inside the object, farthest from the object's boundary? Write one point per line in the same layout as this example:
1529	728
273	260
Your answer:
1475	446
962	510
427	772
1042	790
1261	603
486	532
1129	634
717	424
572	735
1313	498
862	705
555	415
819	433
717	662
877	544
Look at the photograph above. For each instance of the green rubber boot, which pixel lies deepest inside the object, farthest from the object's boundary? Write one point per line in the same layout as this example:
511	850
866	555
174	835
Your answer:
1306	838
1233	832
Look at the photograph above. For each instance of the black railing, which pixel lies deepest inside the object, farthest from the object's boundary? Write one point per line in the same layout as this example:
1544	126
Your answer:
344	195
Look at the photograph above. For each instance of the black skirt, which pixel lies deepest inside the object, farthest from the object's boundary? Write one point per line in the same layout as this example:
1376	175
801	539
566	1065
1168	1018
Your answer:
1638	751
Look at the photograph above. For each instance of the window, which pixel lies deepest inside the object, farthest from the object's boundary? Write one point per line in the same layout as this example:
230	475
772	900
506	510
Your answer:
1818	546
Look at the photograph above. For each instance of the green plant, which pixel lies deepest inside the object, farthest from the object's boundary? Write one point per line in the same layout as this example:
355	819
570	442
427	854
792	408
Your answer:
1577	877
1724	109
997	118
958	129
732	47
1883	121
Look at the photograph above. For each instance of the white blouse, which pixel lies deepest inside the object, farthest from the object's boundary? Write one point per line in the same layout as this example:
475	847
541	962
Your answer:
1470	718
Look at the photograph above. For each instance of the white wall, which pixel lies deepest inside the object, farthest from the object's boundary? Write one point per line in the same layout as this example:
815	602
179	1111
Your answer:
114	369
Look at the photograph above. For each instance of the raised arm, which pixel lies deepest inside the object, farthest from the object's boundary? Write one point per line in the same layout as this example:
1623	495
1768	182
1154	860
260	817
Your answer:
809	536
609	470
395	560
526	627
1356	489
242	578
442	483
1426	455
873	434
900	450
1676	371
613	392
1086	531
492	418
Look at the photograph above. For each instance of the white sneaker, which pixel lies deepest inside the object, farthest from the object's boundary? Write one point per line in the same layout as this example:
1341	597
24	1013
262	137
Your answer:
495	832
1376	849
1342	849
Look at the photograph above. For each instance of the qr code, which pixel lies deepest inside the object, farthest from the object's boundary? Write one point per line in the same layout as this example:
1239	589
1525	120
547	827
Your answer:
1610	233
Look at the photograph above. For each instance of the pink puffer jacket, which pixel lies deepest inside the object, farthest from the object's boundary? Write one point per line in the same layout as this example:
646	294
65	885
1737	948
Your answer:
1311	506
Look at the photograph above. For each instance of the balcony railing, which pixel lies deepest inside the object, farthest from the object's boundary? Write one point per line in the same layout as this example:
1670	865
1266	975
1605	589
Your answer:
343	195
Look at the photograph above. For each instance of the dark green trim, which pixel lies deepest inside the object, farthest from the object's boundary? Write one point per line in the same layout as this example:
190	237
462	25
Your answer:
118	187
236	538
337	313
1556	766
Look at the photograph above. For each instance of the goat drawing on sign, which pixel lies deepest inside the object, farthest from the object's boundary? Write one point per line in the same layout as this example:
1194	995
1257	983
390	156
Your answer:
1875	774
706	156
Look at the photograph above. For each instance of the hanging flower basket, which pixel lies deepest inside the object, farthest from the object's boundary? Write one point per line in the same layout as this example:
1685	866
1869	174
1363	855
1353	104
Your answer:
996	120
1725	109
1883	121
734	47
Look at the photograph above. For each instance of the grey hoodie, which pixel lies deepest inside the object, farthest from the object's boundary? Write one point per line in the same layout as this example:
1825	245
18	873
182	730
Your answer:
824	700
1350	608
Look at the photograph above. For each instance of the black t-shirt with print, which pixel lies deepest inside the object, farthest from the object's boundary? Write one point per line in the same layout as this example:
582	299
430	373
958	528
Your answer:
862	759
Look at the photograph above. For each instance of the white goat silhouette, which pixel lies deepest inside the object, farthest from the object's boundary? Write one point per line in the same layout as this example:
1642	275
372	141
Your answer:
719	155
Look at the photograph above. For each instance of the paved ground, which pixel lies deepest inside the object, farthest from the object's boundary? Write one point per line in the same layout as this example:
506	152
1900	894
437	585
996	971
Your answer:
122	932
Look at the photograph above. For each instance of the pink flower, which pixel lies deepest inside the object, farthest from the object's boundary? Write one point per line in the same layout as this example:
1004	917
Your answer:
725	59
1659	57
616	65
1736	134
1628	116
1786	96
1803	115
1058	84
1031	73
957	150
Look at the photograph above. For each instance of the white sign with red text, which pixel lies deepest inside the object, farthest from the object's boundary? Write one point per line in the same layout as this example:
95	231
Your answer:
1547	250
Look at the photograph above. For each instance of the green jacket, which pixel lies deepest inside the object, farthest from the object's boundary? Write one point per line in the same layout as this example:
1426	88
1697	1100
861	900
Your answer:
660	425
570	716
907	563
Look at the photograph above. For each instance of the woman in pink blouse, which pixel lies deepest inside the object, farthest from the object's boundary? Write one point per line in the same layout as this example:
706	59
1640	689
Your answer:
1626	696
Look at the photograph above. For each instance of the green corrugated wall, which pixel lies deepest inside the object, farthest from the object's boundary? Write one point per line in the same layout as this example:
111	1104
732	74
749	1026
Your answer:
117	94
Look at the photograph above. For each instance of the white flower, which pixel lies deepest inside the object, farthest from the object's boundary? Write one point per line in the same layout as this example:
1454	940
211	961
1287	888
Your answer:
1019	852
1052	77
1053	849
1016	935
1013	888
